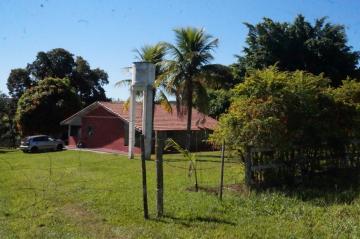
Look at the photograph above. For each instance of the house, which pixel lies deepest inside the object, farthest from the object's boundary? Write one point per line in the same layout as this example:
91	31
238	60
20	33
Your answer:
105	125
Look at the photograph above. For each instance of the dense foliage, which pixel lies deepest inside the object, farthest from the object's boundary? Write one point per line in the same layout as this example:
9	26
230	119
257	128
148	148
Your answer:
321	47
18	81
59	63
42	107
8	134
219	102
4	118
287	110
292	127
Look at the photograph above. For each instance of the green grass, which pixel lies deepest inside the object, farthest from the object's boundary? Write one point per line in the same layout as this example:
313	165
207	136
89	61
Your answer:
75	194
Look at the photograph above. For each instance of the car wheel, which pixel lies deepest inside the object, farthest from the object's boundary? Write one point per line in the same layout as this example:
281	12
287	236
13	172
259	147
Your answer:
34	150
59	147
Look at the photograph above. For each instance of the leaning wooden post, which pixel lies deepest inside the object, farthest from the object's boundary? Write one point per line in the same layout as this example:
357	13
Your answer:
143	169
159	146
222	170
248	173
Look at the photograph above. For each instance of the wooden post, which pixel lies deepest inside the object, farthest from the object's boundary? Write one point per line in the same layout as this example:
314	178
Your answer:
248	173
159	146
222	170
143	169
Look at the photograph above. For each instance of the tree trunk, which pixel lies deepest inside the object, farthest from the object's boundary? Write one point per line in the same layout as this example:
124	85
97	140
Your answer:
189	114
159	145
196	179
222	170
143	169
248	166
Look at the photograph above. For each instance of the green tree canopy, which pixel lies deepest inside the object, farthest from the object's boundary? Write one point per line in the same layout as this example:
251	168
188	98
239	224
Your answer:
321	47
42	107
219	102
348	93
59	63
8	134
88	82
18	81
286	110
4	102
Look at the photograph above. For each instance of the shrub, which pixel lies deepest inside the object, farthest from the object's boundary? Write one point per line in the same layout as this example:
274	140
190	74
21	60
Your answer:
289	110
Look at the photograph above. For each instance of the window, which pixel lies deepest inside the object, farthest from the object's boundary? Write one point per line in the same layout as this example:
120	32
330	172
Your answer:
90	131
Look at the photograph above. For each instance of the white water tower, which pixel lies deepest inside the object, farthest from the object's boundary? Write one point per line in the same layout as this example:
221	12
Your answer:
143	77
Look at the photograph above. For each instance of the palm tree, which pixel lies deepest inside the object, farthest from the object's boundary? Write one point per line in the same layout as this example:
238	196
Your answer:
185	75
153	54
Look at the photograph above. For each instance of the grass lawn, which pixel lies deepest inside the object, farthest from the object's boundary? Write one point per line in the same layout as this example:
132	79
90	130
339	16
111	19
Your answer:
73	194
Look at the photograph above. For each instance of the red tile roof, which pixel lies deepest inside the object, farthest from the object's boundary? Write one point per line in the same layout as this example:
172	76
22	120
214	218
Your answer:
163	120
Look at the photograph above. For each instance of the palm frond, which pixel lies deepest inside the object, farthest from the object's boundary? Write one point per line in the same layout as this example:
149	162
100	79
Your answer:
126	105
170	143
201	97
126	82
187	155
164	102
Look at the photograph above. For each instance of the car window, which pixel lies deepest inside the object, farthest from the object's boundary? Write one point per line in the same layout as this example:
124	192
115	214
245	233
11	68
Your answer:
42	138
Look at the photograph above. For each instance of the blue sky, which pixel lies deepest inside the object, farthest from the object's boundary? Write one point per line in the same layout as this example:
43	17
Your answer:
105	32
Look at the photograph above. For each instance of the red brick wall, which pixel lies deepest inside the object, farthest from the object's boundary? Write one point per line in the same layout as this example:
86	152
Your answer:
73	140
108	131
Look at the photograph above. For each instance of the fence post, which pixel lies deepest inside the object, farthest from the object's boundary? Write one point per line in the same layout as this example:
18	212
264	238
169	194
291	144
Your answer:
159	146
143	170
248	166
222	170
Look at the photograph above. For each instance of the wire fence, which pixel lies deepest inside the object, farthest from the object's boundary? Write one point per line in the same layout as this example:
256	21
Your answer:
56	179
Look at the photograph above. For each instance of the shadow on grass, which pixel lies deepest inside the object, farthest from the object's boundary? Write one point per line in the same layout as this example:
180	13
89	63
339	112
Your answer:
323	189
188	222
331	188
4	151
200	159
45	152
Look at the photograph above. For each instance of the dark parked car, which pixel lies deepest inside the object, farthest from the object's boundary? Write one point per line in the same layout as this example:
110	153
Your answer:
38	143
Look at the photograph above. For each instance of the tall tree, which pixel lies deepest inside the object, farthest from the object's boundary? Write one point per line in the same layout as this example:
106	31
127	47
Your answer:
4	127
18	81
184	74
321	47
42	107
59	63
8	134
220	79
88	82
